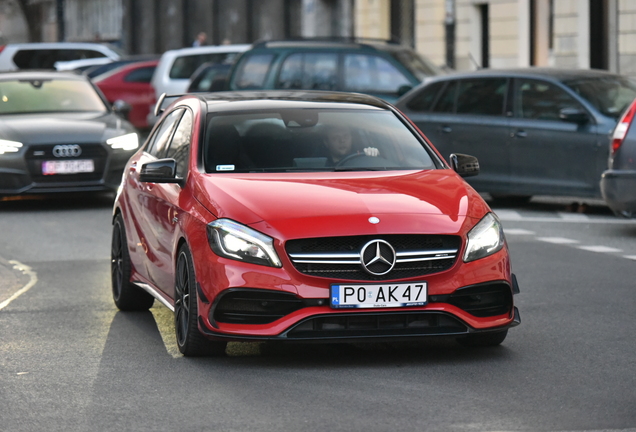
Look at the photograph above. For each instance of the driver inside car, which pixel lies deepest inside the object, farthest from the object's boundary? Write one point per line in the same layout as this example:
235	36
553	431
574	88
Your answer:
339	144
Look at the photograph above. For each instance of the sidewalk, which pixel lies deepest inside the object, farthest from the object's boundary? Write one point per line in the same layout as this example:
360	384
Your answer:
11	279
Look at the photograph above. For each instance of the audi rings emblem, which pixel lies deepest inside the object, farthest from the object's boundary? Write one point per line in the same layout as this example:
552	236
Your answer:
377	257
70	150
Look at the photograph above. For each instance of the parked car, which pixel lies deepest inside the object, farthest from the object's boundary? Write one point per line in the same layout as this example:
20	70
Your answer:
208	76
535	131
131	83
239	216
97	70
175	68
81	65
59	134
44	55
374	67
618	183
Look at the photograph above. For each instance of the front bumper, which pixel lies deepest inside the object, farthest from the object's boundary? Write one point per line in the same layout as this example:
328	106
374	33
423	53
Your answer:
21	173
618	188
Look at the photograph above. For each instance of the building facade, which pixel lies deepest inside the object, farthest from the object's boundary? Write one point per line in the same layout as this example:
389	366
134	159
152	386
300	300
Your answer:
461	34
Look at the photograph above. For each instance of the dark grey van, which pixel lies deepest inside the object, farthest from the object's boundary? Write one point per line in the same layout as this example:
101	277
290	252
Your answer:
535	131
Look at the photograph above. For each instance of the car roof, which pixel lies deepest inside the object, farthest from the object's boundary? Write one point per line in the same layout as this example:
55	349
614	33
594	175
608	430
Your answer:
207	49
559	74
41	75
245	100
332	43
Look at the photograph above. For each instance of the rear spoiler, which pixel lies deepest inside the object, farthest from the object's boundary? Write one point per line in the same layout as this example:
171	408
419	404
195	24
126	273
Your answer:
158	110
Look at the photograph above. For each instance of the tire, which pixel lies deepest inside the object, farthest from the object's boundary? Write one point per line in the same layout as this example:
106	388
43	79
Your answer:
127	296
511	200
483	339
189	339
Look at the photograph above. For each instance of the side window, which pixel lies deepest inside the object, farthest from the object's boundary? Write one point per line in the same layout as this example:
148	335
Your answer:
424	99
184	66
369	73
446	101
179	148
307	71
141	75
161	138
484	96
253	72
541	100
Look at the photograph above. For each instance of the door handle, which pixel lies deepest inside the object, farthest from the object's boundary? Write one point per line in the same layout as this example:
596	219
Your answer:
447	129
519	134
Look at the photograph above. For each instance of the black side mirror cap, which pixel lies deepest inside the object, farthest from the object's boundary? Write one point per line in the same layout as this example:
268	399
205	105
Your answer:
122	108
464	165
573	115
160	171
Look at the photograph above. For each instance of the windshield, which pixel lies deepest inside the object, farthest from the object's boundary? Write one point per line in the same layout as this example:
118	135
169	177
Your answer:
51	95
419	66
311	140
610	95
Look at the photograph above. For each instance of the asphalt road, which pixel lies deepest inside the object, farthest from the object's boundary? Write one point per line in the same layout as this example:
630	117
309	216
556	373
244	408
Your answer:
70	361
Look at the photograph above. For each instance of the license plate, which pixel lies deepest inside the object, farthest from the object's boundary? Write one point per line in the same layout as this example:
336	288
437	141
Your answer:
378	295
68	167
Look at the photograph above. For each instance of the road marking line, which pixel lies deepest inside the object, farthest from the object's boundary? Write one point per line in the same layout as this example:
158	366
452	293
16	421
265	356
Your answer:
510	215
570	217
557	240
602	249
25	269
518	231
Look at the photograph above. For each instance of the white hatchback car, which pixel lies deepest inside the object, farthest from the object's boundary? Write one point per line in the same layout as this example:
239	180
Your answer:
44	55
175	68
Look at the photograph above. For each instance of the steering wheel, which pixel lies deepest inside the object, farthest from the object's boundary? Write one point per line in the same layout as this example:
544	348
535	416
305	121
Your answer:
349	157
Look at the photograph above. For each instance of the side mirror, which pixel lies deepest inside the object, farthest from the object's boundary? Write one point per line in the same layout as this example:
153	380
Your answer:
122	108
160	171
573	115
218	84
404	89
464	165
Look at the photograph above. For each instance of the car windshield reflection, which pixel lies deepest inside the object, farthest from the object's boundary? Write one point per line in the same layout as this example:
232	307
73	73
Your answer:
311	140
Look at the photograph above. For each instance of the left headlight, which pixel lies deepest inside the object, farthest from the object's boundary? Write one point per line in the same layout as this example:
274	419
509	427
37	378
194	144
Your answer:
232	240
484	239
7	146
125	142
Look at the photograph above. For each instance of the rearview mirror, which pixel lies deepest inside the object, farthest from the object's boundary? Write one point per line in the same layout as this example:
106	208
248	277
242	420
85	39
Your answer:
122	108
404	89
573	115
464	165
160	171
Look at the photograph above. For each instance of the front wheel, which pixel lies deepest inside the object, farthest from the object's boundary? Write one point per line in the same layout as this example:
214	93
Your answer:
483	339
127	296
189	339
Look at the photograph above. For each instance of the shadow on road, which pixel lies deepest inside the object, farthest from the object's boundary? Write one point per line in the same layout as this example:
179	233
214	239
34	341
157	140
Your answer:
65	201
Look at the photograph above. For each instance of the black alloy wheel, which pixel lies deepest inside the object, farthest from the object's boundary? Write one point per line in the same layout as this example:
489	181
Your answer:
189	339
483	339
127	296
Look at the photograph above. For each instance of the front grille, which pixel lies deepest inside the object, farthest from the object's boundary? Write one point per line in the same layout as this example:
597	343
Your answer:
362	325
339	257
38	154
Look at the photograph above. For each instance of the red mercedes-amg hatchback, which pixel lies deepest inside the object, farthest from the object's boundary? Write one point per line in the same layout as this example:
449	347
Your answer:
306	216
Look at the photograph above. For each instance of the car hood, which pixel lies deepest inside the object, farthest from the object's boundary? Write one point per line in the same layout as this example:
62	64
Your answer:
61	128
317	204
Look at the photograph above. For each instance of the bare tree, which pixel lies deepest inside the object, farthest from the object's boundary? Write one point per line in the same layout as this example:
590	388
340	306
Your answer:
32	12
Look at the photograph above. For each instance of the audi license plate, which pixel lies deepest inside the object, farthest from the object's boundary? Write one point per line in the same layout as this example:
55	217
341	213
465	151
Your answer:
378	295
68	167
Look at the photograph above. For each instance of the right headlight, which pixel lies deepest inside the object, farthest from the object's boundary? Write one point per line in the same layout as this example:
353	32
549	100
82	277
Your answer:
232	240
7	146
484	239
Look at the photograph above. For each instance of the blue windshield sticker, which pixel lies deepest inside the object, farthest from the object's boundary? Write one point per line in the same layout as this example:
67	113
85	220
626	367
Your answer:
225	167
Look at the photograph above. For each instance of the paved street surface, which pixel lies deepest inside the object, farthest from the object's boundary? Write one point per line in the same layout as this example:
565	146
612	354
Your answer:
69	360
